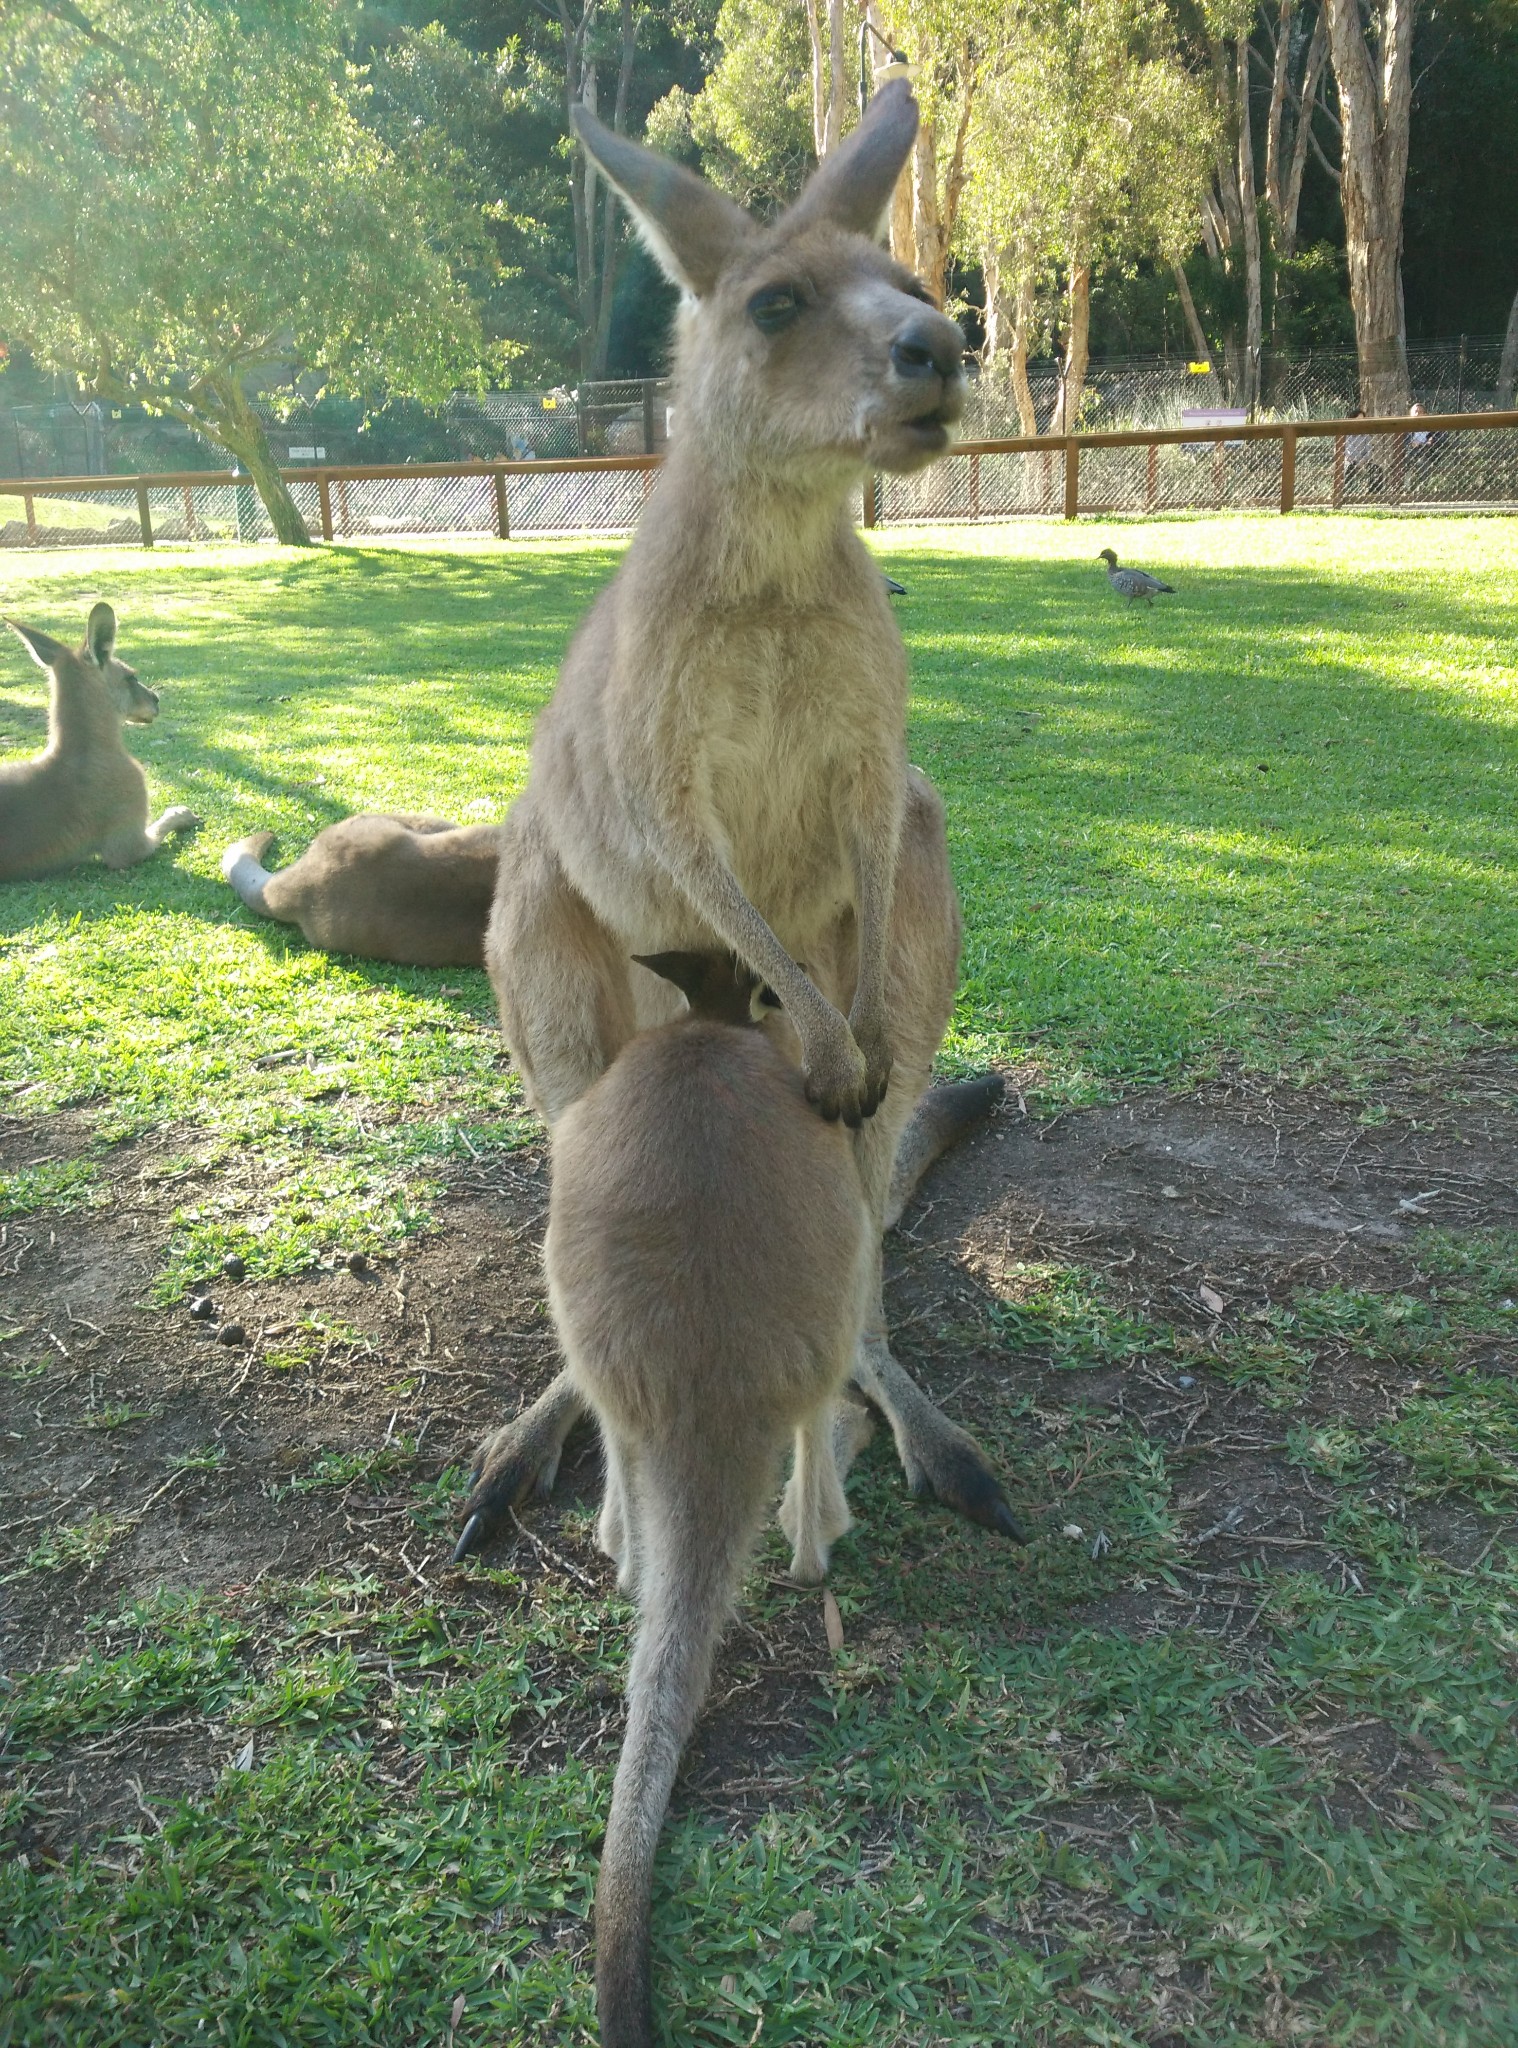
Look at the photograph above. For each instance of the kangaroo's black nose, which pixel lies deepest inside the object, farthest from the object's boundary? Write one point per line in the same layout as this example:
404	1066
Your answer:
929	346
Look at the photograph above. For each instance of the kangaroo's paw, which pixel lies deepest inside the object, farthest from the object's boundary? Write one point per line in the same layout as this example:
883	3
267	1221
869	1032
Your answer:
937	1456
516	1460
950	1465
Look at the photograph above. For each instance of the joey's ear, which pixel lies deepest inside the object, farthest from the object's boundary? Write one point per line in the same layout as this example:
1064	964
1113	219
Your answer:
42	647
692	229
100	634
688	971
853	188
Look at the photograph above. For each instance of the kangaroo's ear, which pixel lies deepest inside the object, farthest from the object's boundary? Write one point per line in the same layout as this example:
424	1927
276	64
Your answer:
693	230
100	634
688	971
42	647
853	188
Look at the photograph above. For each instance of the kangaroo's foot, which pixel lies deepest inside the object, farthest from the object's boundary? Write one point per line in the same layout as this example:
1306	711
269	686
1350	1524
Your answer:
520	1458
936	1455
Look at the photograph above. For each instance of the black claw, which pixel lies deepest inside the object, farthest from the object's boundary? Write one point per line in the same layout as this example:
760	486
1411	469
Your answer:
471	1537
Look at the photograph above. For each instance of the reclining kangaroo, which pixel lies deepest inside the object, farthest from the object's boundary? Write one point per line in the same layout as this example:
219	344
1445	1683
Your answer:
723	763
707	1254
414	890
83	794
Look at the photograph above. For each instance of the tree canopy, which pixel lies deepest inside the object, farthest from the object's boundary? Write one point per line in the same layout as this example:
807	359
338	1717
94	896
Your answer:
193	201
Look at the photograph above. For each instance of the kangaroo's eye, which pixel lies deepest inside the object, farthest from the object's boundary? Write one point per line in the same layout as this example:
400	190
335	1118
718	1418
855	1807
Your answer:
774	308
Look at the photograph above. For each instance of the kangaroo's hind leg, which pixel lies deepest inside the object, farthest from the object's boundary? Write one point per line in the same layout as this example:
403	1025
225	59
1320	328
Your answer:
911	1128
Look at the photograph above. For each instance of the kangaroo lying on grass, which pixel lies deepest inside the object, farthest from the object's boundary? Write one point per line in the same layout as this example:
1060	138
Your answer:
708	1252
83	794
414	890
723	763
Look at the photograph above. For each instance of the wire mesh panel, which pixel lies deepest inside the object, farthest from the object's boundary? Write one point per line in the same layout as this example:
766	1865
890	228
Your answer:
578	501
412	505
65	519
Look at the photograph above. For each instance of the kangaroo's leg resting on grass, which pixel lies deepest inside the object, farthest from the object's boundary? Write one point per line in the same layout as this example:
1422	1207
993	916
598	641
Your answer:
127	848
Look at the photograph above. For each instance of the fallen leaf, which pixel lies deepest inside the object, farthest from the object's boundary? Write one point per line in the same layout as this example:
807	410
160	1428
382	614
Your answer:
1074	1531
729	1986
801	1923
243	1761
458	2012
832	1620
1171	1194
1211	1299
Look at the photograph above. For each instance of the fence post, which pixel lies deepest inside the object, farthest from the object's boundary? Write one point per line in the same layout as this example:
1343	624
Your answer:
502	514
1152	477
1338	489
342	505
29	504
324	496
1288	469
871	487
189	513
145	515
975	487
648	415
1072	477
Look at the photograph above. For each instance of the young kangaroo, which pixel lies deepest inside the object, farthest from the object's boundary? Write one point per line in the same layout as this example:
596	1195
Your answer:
707	1253
83	794
723	763
414	890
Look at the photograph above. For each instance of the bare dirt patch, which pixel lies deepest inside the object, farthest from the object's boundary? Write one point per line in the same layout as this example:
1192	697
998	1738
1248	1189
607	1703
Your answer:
176	1460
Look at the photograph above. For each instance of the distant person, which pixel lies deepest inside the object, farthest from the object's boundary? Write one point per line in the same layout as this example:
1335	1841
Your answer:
1361	467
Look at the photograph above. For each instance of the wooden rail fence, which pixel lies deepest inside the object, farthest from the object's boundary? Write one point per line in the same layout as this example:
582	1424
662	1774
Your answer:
331	481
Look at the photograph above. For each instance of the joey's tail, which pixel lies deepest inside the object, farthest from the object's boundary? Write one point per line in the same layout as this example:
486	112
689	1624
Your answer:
695	1543
946	1114
243	866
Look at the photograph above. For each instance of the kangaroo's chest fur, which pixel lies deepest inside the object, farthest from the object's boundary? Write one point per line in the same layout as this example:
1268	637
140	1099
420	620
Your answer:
771	724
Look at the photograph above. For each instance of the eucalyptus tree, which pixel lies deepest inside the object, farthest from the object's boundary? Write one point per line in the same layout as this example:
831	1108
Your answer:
1090	146
192	203
1371	42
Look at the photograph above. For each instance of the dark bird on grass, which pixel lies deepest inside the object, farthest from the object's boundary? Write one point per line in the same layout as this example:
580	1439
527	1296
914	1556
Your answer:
1134	583
896	589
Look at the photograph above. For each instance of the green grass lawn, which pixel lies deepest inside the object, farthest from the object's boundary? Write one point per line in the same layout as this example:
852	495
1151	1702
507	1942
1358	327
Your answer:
1269	824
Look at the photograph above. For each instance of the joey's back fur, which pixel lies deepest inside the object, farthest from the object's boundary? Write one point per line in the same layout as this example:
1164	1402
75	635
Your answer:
723	761
708	1252
83	794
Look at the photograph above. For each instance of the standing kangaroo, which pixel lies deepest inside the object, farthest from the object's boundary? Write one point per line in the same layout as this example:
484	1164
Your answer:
723	763
83	794
708	1251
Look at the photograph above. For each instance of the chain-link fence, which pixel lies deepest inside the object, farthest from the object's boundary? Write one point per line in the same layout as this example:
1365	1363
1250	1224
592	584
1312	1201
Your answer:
79	437
1434	467
1442	462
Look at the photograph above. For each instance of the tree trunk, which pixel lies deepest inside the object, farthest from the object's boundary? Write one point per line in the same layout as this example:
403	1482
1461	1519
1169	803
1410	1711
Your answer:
610	248
1307	106
1375	106
1009	322
828	75
1022	343
1275	119
927	221
241	432
1193	320
1507	369
1249	211
1072	382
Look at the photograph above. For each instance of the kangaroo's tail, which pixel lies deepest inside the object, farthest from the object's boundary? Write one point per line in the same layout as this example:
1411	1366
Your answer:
243	866
946	1114
692	1543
